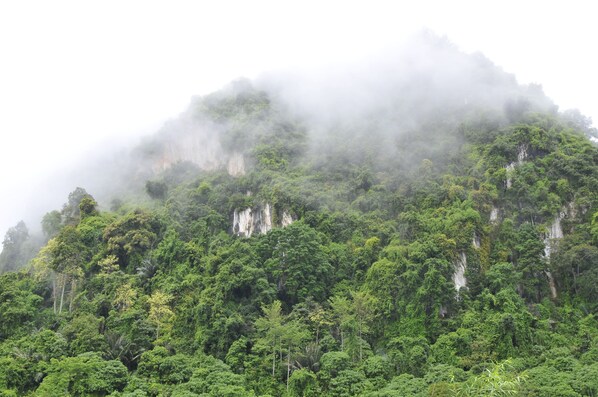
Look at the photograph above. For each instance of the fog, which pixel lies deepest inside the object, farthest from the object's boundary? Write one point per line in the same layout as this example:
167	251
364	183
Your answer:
397	95
81	84
425	71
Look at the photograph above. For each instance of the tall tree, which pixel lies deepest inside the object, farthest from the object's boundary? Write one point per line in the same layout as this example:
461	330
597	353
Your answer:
51	223
282	334
71	213
14	254
295	259
269	326
160	313
68	254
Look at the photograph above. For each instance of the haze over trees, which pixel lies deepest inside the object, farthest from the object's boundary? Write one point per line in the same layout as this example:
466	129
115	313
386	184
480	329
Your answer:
421	226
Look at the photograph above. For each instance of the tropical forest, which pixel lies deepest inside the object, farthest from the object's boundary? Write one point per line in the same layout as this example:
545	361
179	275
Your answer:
422	226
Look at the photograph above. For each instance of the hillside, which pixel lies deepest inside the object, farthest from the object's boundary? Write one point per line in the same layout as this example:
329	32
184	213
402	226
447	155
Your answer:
422	226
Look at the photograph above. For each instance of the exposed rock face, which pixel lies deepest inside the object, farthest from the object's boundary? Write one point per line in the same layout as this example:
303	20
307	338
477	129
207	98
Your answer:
522	155
195	141
510	169
287	219
187	140
249	221
551	285
494	214
476	241
265	220
243	222
571	210
554	233
257	220
459	279
236	164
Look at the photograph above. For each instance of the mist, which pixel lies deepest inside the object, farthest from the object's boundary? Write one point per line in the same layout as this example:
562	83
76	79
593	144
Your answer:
407	98
381	105
351	109
77	98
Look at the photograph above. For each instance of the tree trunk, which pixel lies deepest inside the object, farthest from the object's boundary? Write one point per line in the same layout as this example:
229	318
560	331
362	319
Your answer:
64	279
72	294
54	292
575	274
288	367
317	336
360	344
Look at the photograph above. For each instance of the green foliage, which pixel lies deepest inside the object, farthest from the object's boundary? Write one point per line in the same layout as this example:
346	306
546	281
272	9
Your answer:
499	380
87	207
403	385
131	236
71	210
296	263
51	223
15	252
18	304
303	383
156	189
83	334
352	289
85	374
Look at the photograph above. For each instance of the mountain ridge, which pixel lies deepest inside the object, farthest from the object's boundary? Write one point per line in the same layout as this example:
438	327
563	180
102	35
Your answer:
434	234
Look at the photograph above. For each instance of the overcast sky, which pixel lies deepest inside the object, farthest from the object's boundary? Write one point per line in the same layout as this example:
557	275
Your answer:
78	75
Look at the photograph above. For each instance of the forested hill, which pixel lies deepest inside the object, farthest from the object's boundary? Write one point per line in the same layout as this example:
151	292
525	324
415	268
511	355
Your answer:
422	226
